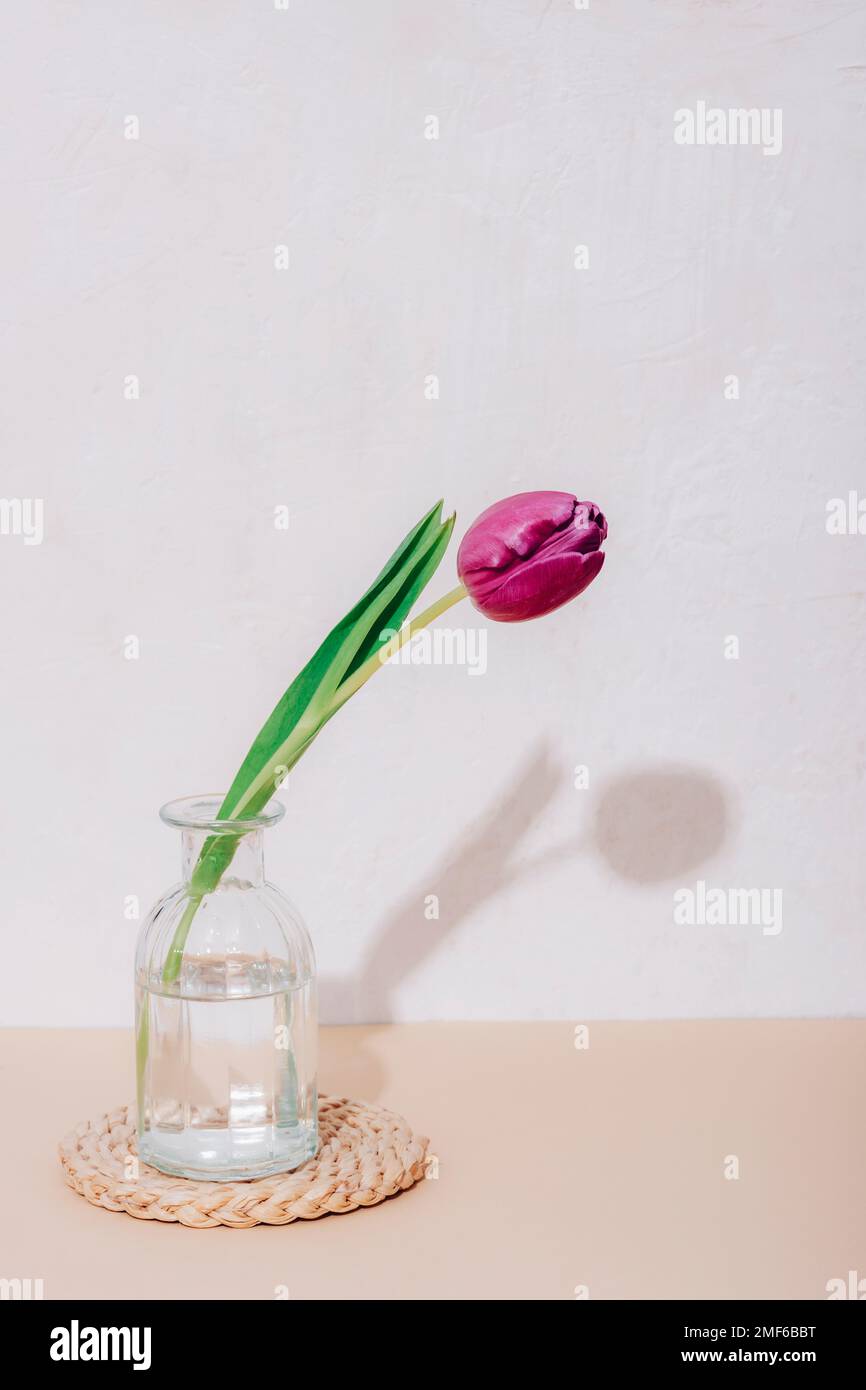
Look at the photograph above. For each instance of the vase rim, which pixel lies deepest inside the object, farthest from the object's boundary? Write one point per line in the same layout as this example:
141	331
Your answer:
201	813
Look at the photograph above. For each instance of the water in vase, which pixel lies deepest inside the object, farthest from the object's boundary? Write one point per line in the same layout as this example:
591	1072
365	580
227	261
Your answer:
223	1055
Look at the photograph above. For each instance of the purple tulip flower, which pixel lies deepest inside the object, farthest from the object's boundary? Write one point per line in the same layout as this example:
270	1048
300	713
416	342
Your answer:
529	554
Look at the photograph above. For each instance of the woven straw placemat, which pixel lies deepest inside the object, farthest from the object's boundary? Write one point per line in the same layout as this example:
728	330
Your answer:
365	1154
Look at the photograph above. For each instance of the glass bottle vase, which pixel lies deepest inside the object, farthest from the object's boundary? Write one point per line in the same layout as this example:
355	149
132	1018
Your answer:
225	1012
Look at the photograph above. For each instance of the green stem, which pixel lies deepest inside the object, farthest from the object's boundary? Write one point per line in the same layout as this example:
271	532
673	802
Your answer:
204	882
142	1045
379	658
171	969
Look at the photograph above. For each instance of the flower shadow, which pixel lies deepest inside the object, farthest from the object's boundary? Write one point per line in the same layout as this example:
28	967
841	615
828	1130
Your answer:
481	864
649	825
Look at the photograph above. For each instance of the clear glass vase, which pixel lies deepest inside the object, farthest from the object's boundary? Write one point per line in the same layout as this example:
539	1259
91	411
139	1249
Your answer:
225	1012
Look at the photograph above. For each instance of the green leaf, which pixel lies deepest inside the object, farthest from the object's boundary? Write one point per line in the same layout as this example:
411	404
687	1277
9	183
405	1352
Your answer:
397	613
307	704
304	703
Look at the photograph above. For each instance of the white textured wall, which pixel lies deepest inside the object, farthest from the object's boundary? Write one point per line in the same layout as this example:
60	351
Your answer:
455	257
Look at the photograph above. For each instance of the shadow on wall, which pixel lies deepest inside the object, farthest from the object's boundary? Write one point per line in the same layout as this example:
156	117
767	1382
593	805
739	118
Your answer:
479	866
649	825
661	823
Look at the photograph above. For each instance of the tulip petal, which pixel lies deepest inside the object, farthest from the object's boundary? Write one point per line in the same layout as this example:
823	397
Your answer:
513	528
529	554
535	588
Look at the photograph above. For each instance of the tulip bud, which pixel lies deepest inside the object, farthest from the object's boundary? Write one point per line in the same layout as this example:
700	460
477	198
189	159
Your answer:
528	554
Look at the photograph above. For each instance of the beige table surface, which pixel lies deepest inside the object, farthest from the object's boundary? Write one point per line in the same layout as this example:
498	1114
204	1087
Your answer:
557	1168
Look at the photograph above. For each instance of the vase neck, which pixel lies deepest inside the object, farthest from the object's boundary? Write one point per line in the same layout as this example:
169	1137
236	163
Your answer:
247	865
199	821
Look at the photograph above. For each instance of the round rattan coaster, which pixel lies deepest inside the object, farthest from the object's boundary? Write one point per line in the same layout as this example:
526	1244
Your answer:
365	1155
